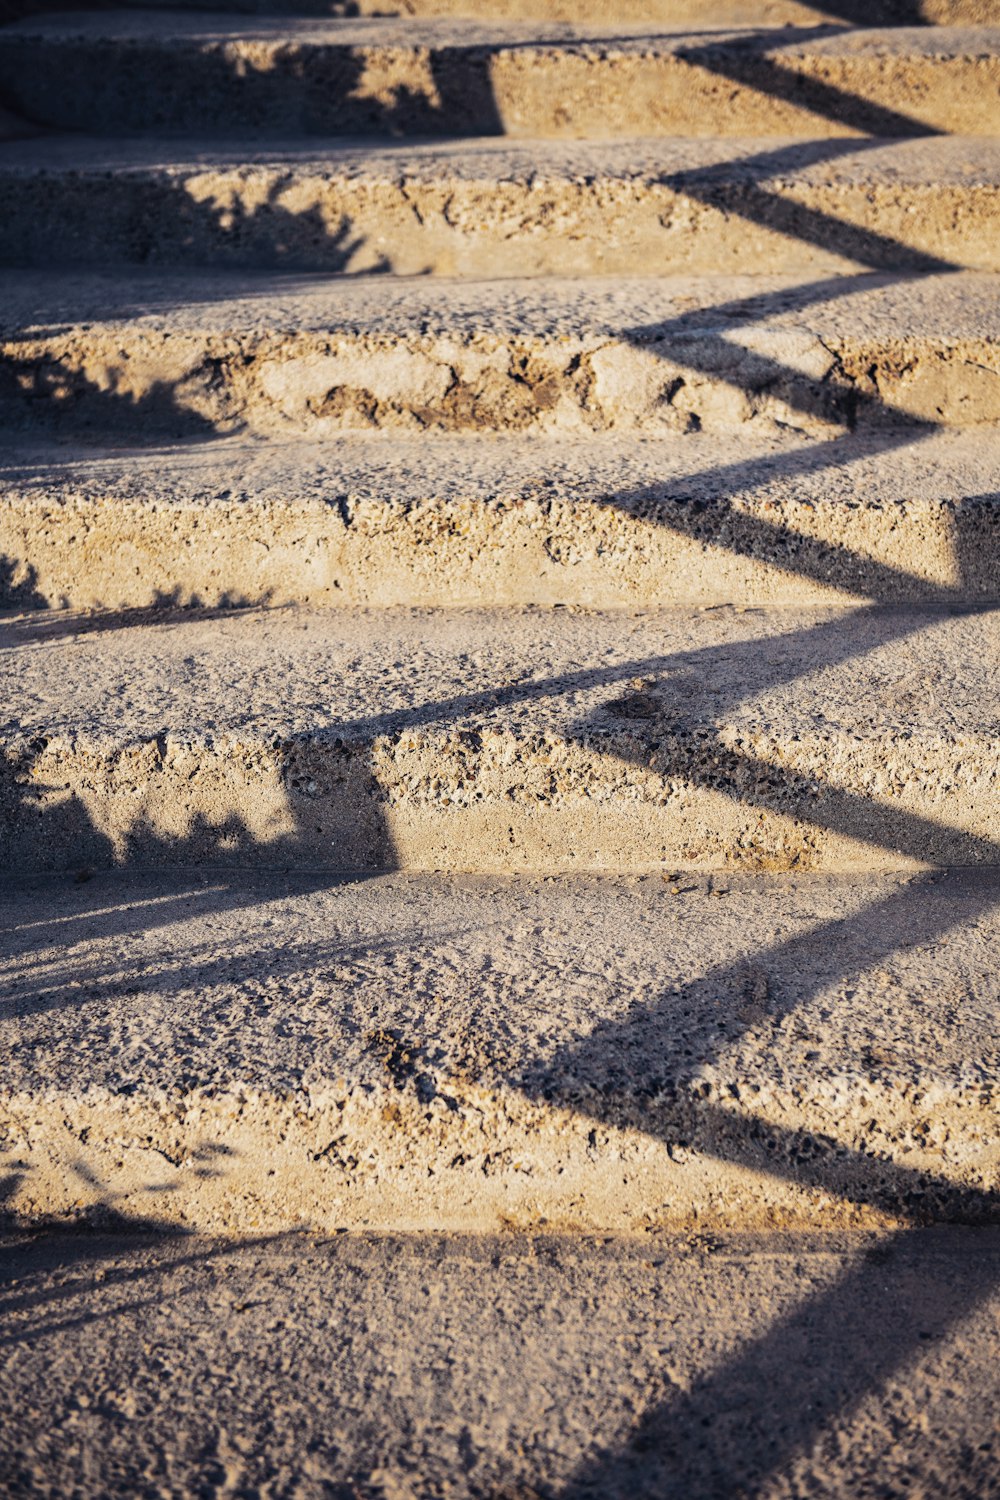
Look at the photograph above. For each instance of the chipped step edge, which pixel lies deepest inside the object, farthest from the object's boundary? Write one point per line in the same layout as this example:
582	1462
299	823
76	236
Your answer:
375	1157
135	384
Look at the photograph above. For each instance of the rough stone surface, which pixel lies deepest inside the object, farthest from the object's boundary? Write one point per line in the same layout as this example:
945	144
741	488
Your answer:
562	208
506	740
138	357
389	520
120	72
701	14
247	1055
391	1367
714	369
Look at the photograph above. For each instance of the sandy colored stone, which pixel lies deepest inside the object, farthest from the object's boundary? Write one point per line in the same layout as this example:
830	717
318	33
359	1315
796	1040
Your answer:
233	1053
563	208
120	72
649	1369
142	357
503	741
662	13
464	521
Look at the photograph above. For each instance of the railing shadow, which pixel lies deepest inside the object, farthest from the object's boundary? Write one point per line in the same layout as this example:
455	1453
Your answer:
743	1424
806	1362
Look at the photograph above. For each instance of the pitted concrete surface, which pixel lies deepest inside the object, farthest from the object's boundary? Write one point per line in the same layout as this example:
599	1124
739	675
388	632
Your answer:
504	741
476	521
699	14
395	1369
258	999
563	208
121	73
137	357
244	1054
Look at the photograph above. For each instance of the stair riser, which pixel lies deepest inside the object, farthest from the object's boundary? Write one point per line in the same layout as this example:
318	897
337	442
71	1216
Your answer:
122	554
643	797
375	1158
133	385
285	219
560	90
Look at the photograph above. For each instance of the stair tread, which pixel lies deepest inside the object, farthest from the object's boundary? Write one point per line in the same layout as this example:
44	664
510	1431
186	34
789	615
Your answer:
947	161
434	1026
593	1367
613	520
944	466
945	306
518	672
139	356
457	31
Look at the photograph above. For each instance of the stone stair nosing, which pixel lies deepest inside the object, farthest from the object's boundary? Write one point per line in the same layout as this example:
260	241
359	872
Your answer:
488	1054
516	740
720	1027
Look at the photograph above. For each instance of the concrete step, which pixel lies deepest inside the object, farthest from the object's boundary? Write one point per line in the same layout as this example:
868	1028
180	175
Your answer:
563	208
634	1369
691	14
252	1055
142	356
615	521
120	72
514	740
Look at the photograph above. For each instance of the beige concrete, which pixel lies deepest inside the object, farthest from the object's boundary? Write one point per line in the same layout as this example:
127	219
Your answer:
472	520
247	1055
656	1369
504	741
559	208
663	14
120	357
118	72
632	476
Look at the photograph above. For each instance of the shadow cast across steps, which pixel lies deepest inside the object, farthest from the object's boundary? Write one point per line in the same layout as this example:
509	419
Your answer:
681	1443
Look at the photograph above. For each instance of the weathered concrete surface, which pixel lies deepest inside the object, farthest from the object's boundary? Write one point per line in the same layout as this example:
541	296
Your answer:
562	208
504	741
247	1054
136	357
119	72
390	520
393	1367
693	14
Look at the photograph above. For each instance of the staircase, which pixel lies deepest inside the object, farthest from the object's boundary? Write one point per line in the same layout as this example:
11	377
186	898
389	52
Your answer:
500	560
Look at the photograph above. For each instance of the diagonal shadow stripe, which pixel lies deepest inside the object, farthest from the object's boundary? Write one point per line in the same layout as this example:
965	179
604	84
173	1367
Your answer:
742	1423
670	1450
750	1142
713	186
752	63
